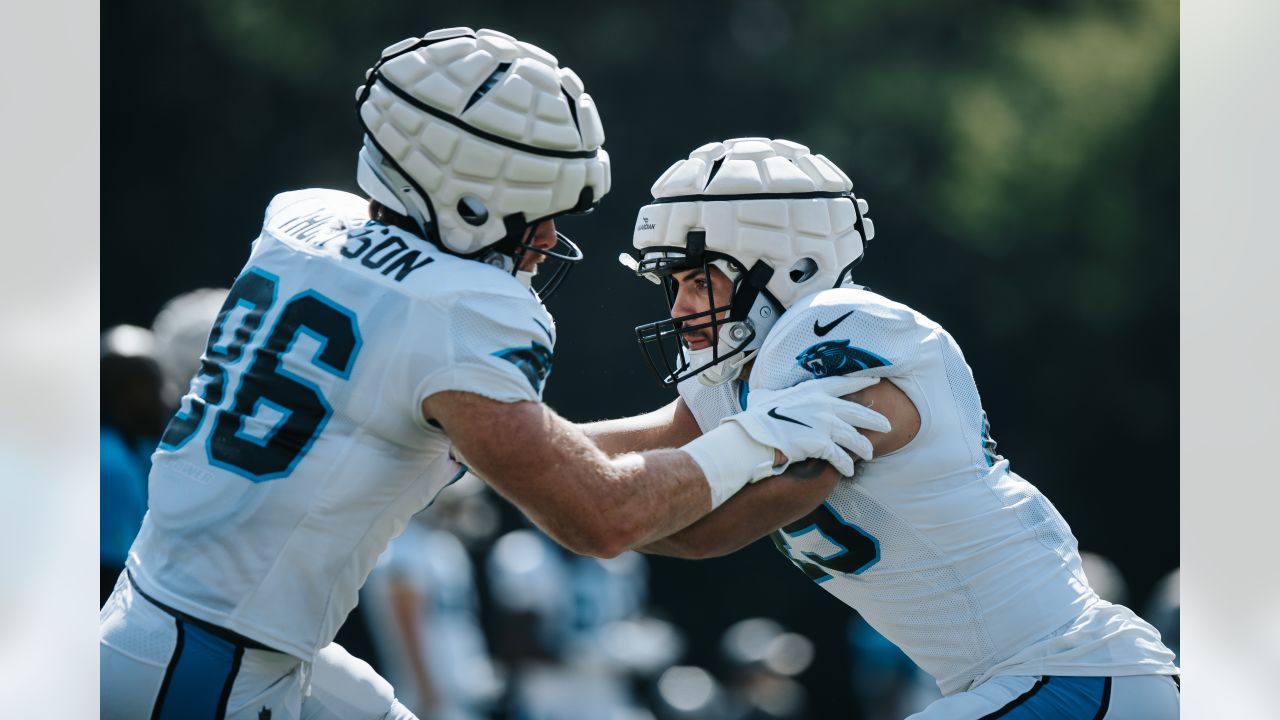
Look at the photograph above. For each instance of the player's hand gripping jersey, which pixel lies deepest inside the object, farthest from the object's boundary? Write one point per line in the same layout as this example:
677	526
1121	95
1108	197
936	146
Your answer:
300	448
961	563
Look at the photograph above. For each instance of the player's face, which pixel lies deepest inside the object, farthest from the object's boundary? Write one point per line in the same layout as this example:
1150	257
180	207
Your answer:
543	236
694	291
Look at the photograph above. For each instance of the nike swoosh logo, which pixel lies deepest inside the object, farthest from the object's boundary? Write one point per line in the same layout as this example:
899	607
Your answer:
773	413
821	330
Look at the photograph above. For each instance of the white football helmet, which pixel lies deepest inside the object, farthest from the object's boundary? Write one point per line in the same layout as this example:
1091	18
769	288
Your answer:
475	137
780	222
182	332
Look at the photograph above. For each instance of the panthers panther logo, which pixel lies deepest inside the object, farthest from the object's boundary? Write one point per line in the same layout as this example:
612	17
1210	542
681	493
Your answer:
835	357
534	361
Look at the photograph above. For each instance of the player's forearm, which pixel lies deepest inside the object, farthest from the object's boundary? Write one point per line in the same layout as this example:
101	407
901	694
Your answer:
719	533
661	428
623	435
632	500
677	494
754	512
675	546
587	501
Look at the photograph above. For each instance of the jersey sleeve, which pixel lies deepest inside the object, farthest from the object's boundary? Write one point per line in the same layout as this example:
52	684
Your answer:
495	345
842	332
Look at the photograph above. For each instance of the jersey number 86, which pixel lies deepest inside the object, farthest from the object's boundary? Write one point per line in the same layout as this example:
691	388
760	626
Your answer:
274	416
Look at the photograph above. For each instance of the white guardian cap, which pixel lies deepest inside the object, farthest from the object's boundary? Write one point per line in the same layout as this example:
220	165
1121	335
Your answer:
475	137
779	221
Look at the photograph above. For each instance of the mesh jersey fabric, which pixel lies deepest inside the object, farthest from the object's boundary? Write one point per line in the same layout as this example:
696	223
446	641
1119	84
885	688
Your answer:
710	405
279	557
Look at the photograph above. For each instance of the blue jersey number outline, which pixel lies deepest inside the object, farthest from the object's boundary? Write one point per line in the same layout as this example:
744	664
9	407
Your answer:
300	407
857	549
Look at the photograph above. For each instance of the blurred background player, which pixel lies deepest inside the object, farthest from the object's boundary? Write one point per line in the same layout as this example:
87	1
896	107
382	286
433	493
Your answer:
763	661
181	330
366	345
143	373
1104	577
572	632
961	563
886	684
1164	610
133	413
422	607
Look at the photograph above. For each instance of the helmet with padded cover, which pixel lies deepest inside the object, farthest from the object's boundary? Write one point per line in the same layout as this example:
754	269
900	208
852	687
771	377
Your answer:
779	221
475	137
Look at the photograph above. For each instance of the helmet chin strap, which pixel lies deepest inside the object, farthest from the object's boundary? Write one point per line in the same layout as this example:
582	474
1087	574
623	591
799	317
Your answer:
723	371
735	355
507	264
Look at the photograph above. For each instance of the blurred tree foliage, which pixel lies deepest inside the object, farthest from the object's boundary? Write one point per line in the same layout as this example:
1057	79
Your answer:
1020	160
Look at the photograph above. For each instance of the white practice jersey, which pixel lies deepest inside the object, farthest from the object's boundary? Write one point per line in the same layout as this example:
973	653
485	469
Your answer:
300	448
958	561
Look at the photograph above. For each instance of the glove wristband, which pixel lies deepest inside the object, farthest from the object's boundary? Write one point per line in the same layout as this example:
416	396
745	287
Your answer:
730	459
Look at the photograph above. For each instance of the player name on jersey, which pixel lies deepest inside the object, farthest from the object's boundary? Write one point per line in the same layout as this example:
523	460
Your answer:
374	246
389	254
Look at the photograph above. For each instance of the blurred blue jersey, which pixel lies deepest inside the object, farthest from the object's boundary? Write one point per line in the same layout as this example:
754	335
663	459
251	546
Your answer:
123	493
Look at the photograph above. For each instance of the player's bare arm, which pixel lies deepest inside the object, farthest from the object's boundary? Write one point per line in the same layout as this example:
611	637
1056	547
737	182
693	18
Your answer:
673	425
766	506
598	505
751	514
886	398
667	427
585	500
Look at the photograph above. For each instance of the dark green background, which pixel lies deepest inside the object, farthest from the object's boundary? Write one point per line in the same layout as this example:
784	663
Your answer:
1020	160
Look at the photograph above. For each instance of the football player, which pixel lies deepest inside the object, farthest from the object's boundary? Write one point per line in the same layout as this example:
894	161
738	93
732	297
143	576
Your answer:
964	565
133	414
367	345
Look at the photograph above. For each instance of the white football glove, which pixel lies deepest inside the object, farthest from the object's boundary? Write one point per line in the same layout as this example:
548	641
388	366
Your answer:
808	420
811	420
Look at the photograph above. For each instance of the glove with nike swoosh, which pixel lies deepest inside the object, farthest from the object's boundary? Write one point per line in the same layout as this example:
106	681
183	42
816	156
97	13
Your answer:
807	420
832	422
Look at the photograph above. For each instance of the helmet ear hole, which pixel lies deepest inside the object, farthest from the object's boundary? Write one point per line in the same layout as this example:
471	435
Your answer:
804	269
472	210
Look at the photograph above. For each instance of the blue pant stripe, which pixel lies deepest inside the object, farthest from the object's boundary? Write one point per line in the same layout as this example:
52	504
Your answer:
1059	697
168	671
1106	700
1017	702
198	680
